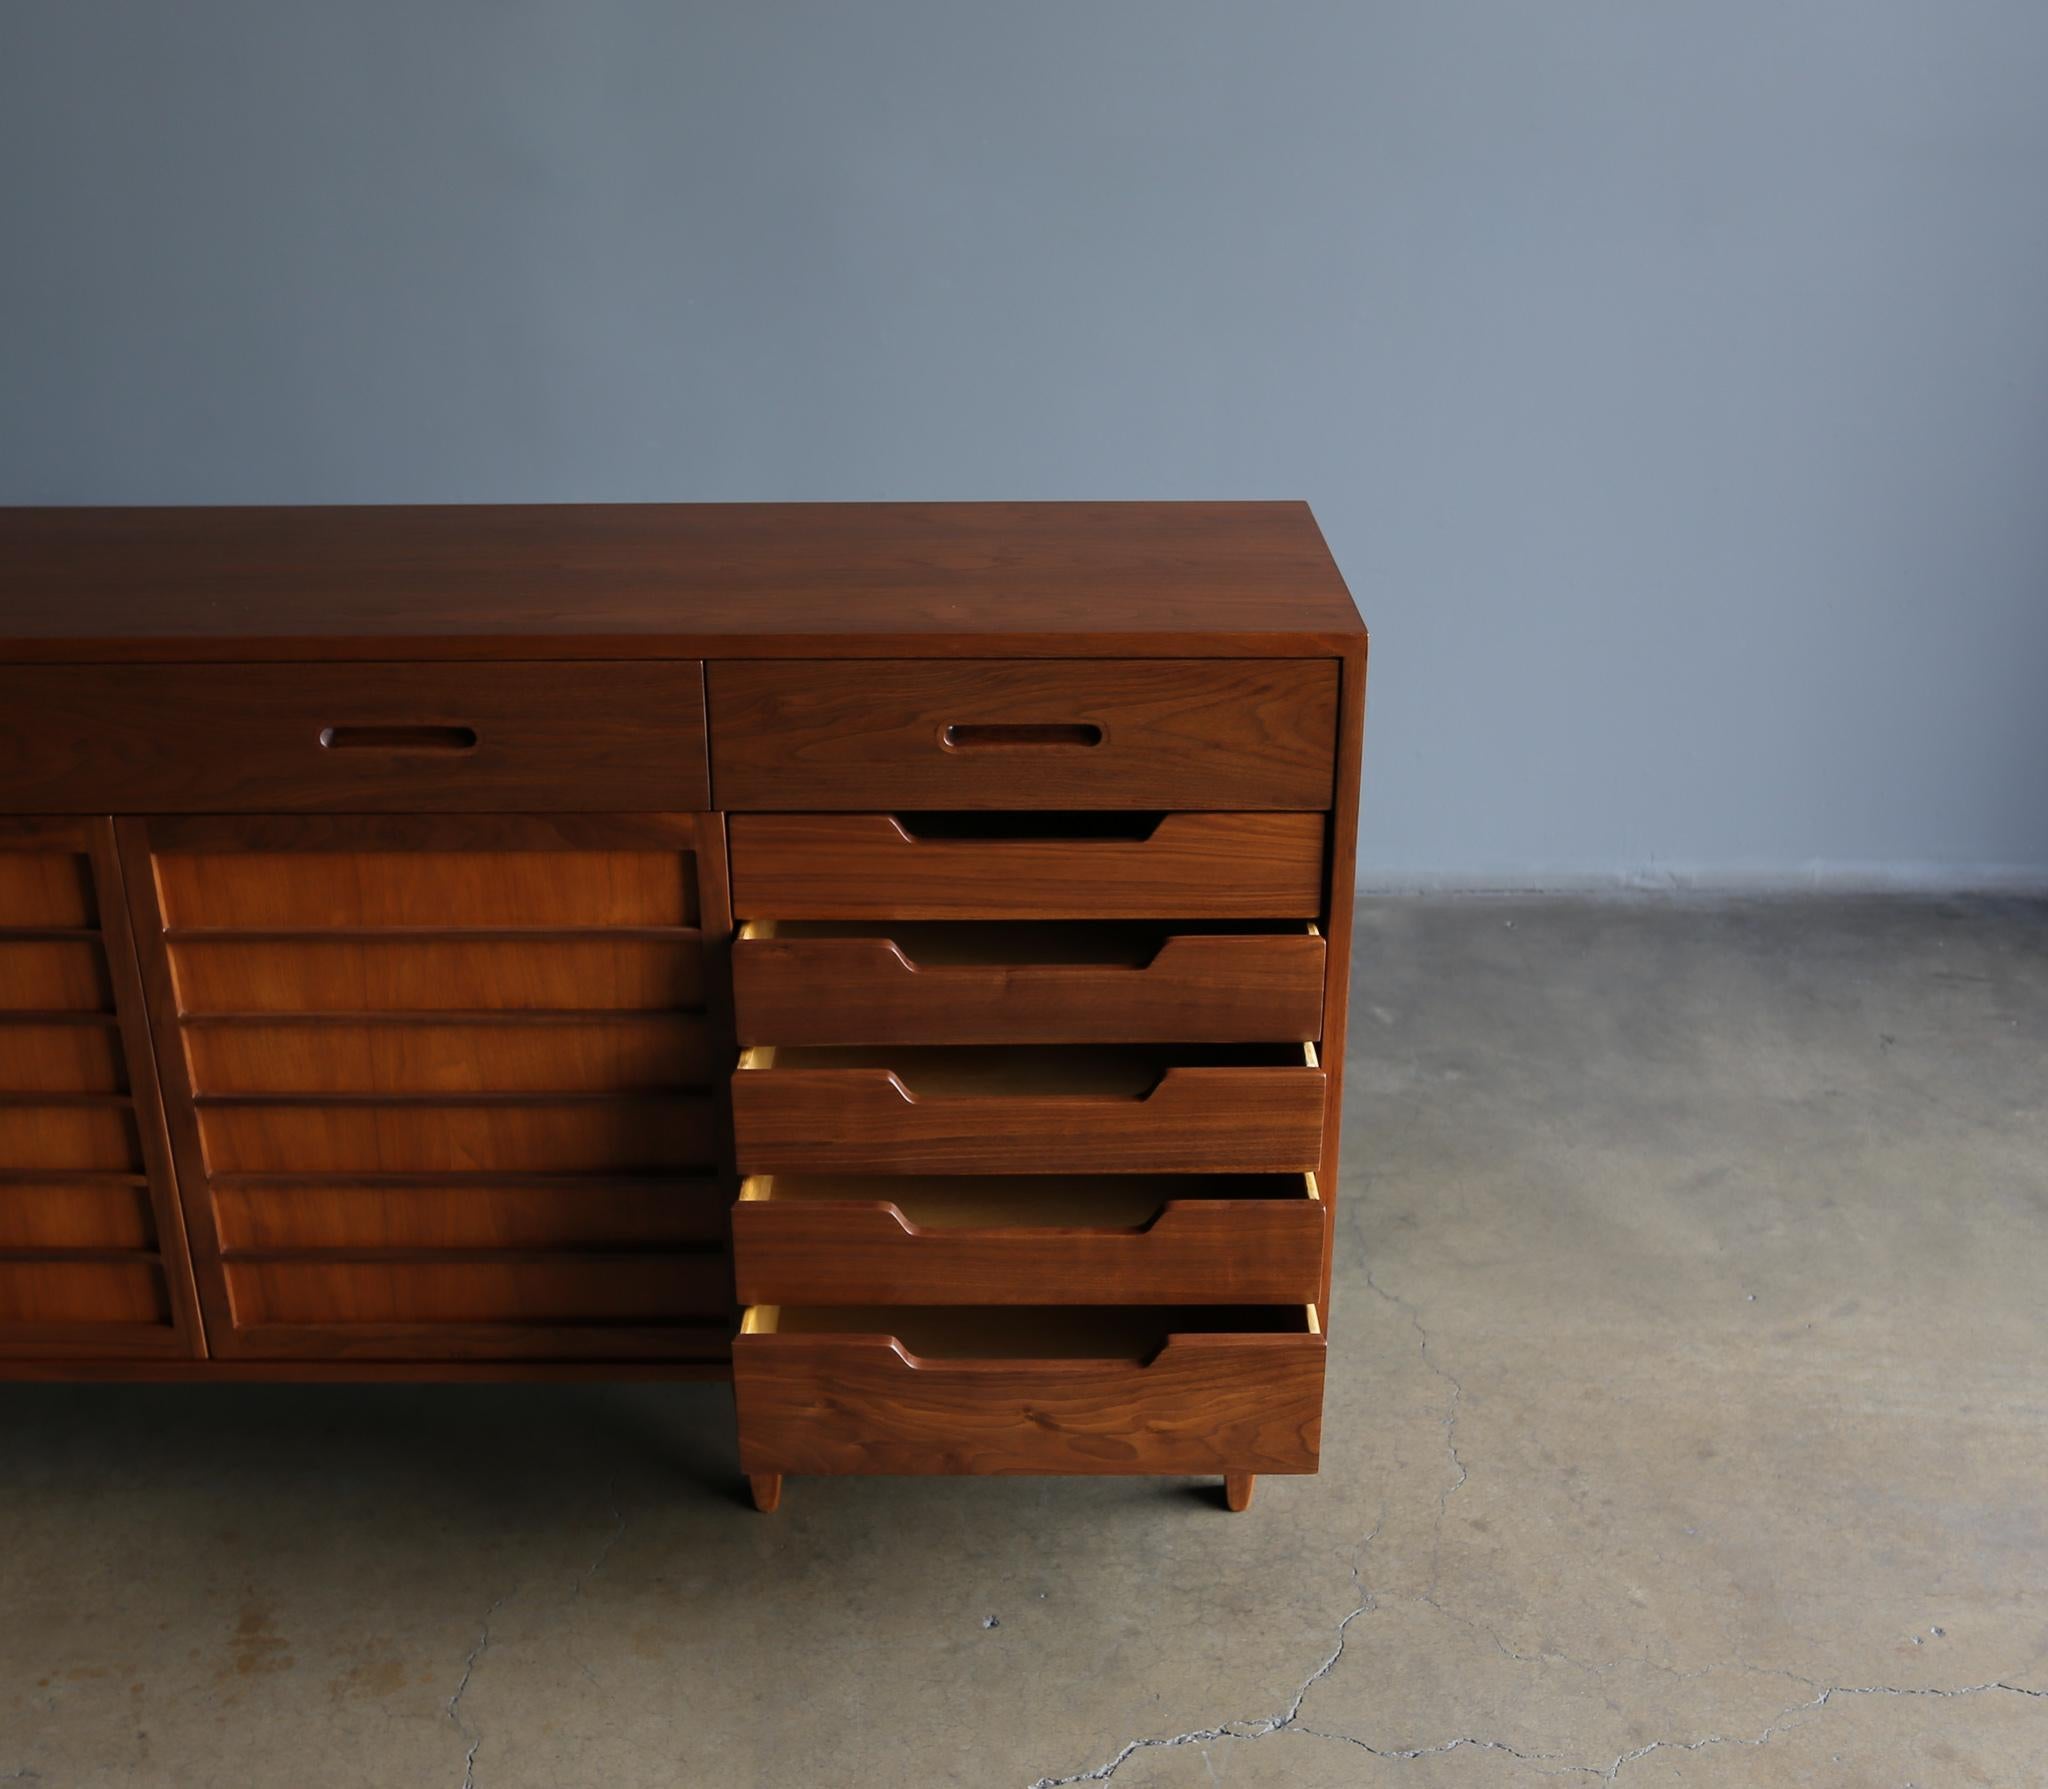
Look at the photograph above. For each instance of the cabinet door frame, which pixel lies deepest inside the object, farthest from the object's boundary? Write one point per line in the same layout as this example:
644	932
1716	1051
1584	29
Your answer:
183	1337
139	839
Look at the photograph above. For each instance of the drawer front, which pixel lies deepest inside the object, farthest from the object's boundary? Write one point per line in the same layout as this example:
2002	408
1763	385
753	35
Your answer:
1132	1239
823	1403
988	733
1014	984
909	1120
335	738
881	866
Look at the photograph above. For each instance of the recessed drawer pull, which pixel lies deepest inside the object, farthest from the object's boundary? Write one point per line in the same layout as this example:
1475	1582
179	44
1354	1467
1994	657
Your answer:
968	735
904	1109
1024	1388
1025	982
855	736
1103	864
1108	1239
398	739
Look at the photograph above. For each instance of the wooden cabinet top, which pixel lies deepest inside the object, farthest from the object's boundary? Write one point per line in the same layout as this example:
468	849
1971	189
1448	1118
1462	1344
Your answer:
670	580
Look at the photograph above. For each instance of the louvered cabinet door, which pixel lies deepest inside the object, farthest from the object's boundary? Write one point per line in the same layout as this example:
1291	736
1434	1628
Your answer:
92	1254
446	1088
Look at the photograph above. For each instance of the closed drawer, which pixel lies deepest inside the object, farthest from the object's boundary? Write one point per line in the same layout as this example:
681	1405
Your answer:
407	737
1028	1389
950	866
815	1239
990	733
962	982
903	1110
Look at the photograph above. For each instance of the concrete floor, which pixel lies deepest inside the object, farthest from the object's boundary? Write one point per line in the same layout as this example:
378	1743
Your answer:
1688	1424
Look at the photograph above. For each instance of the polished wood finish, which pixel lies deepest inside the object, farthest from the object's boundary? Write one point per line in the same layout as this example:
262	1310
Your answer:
421	1053
989	1240
373	1180
390	1029
487	1213
990	733
92	1244
894	866
333	738
911	1111
765	1488
905	1391
824	983
1237	1490
581	1289
312	882
665	581
370	971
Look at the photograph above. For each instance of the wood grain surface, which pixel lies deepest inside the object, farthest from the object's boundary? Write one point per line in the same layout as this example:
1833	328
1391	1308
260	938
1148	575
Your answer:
991	733
881	866
92	1245
241	738
764	580
1184	1248
793	1113
826	1403
387	1151
906	986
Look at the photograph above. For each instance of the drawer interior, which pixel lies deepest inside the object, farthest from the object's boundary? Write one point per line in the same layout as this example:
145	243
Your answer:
1021	1201
1025	1070
972	943
1030	1332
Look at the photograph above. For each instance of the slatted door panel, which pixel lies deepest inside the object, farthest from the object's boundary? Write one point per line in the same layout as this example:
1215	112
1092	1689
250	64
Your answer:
92	1252
447	1090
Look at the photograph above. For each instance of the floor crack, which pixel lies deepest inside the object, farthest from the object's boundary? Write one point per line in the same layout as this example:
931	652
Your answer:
604	1552
483	1643
1785	1718
1550	1655
1546	1763
590	1571
1246	1729
1450	1422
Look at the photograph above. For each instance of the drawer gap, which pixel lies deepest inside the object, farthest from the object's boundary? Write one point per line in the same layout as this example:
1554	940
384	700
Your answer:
1030	1332
1024	1070
1025	1201
937	944
938	827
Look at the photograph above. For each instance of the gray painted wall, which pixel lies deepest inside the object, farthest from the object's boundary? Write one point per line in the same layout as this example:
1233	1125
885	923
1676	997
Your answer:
1671	376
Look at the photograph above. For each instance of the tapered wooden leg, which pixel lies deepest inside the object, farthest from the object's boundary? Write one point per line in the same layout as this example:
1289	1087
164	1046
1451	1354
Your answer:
767	1490
1237	1489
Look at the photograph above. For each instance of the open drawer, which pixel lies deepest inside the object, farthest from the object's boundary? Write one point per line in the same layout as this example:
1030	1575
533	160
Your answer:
969	982
1027	866
1161	1239
1190	1109
1229	1389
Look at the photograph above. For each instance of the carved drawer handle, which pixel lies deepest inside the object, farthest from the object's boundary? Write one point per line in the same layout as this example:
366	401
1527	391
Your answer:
398	739
967	735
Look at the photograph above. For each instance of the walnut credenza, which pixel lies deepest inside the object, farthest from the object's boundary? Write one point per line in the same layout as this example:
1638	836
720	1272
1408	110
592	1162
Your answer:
504	942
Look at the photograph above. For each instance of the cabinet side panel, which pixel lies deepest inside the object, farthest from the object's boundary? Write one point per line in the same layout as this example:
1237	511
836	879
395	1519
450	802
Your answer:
1339	902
